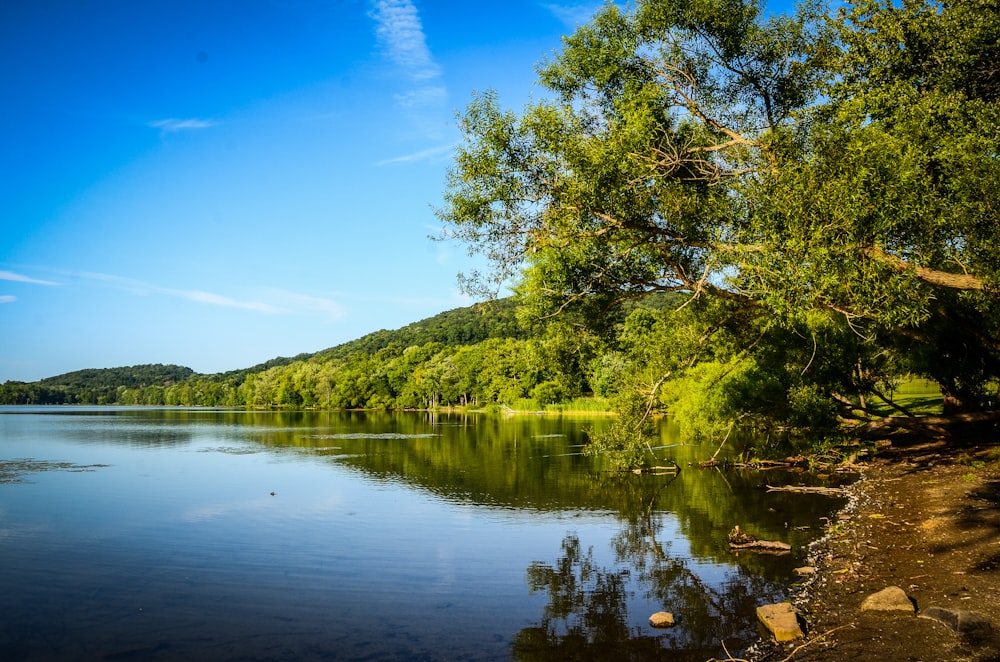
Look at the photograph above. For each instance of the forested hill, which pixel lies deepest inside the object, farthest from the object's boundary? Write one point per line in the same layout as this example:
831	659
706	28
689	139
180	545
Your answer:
460	326
454	328
129	377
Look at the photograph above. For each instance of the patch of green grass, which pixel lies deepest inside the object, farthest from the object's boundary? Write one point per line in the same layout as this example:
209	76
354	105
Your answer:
919	396
577	405
970	461
595	405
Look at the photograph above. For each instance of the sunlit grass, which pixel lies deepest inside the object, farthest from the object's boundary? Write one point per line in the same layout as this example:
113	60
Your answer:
582	405
919	396
587	405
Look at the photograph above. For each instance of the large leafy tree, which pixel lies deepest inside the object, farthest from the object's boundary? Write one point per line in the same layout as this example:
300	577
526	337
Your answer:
800	167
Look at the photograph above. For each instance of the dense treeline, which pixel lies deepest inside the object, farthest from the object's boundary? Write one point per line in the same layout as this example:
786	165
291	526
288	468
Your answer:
469	356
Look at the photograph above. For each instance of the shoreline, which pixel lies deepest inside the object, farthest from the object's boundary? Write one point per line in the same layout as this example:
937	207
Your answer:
925	519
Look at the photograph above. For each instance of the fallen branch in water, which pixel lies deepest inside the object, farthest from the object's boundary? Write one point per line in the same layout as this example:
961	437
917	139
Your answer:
741	540
757	464
826	491
657	470
762	546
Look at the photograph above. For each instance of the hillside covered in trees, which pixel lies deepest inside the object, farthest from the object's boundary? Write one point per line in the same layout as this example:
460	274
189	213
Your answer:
468	355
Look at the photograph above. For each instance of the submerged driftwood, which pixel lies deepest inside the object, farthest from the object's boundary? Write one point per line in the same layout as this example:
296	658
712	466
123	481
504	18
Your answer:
826	491
797	461
657	470
741	540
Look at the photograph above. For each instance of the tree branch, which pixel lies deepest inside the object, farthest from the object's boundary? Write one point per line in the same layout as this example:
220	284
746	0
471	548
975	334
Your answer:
930	276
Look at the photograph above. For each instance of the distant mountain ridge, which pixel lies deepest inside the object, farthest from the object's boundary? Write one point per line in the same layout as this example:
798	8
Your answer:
460	326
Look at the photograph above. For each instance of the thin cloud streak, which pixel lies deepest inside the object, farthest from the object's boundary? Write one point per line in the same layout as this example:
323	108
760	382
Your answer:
21	278
457	299
283	302
306	303
329	308
401	38
7	298
423	96
199	296
173	125
573	14
401	34
440	153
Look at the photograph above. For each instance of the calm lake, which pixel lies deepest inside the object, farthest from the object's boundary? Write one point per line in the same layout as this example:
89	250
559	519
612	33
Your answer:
193	534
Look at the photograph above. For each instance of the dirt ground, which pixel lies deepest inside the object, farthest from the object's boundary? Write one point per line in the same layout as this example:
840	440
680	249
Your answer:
925	519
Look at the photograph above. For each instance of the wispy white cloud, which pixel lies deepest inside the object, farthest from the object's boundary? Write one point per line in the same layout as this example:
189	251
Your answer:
197	296
573	14
20	278
432	154
435	302
7	298
212	299
400	32
309	304
272	301
422	96
173	125
401	38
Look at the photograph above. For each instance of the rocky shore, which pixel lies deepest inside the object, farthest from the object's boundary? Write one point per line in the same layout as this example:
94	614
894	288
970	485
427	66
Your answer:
923	523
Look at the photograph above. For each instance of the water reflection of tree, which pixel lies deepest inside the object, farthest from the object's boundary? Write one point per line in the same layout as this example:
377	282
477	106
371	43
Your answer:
587	616
587	613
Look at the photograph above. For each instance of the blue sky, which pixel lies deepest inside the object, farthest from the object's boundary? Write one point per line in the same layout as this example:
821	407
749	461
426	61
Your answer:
216	183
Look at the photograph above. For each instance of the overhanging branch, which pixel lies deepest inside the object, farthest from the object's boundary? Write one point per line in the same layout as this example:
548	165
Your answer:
930	276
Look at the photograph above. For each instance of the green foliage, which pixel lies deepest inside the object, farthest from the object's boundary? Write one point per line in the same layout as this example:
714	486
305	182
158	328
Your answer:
111	378
829	180
548	392
461	326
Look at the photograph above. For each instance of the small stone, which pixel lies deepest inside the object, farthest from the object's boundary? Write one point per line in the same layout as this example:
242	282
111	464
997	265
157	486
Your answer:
781	621
892	598
805	570
662	619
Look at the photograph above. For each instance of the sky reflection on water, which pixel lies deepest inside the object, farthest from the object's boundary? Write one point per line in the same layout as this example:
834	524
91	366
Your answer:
194	534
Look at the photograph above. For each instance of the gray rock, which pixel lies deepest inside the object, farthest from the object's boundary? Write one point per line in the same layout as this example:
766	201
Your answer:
805	570
892	598
966	623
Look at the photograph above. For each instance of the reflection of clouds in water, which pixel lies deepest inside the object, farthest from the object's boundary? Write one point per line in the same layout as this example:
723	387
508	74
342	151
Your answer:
213	511
446	575
8	532
159	435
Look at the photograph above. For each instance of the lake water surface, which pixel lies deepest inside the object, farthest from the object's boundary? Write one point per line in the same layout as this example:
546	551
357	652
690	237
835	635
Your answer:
168	534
